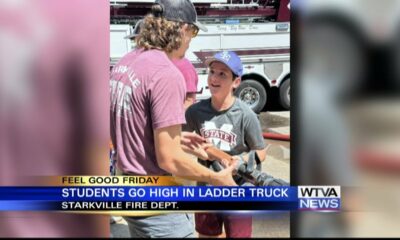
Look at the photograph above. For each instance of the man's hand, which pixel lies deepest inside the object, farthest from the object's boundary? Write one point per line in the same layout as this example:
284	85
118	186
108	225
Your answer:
195	144
236	157
234	160
172	159
191	140
224	177
198	150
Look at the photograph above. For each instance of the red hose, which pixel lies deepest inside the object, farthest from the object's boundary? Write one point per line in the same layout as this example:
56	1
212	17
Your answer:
276	136
377	160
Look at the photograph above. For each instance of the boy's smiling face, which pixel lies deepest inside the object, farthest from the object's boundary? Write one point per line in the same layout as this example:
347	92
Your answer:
220	79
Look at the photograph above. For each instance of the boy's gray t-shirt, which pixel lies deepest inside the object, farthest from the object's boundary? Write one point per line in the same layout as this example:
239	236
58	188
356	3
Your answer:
234	131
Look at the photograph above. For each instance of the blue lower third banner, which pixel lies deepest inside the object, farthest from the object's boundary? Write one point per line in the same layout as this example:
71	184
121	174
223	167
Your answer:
155	198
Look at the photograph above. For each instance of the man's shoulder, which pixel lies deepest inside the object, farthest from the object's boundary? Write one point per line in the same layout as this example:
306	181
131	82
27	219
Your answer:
142	56
157	63
154	57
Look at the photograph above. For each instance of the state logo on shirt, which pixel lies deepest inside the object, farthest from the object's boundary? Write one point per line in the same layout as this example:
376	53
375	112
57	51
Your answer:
222	137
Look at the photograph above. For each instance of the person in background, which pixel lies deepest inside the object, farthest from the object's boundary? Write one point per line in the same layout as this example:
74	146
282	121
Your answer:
184	66
191	79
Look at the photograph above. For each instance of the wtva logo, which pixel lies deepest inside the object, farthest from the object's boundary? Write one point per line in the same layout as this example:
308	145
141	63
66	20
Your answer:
319	198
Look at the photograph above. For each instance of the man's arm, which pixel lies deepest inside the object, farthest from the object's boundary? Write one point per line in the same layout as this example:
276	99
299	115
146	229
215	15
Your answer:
194	144
172	159
217	154
197	151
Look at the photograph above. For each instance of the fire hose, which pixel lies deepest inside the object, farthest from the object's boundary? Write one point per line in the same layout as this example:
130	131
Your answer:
276	136
248	171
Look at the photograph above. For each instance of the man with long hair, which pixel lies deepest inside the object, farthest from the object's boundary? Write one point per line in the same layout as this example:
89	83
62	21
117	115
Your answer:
147	95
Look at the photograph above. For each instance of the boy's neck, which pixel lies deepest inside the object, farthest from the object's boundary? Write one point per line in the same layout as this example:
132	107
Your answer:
222	104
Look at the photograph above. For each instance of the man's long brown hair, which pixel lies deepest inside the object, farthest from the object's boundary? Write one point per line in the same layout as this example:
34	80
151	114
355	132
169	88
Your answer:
159	33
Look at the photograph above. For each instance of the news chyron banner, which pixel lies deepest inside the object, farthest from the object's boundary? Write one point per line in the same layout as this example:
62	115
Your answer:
144	195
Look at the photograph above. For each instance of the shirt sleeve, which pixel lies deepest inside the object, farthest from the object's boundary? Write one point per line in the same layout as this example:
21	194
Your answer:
167	94
189	126
253	132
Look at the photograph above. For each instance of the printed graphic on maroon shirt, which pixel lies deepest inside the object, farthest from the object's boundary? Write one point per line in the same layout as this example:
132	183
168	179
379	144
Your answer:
222	137
121	91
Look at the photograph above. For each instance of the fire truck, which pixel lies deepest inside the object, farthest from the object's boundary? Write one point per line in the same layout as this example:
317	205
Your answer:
257	30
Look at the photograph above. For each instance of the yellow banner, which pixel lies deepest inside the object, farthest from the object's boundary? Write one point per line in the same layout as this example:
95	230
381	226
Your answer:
112	181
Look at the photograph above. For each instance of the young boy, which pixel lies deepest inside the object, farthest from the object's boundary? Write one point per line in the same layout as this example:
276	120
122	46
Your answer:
232	127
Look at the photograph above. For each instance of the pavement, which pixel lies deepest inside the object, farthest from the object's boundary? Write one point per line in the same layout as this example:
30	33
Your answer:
277	163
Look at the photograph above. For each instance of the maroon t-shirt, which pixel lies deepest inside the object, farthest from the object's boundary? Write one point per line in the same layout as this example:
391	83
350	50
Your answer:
147	93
